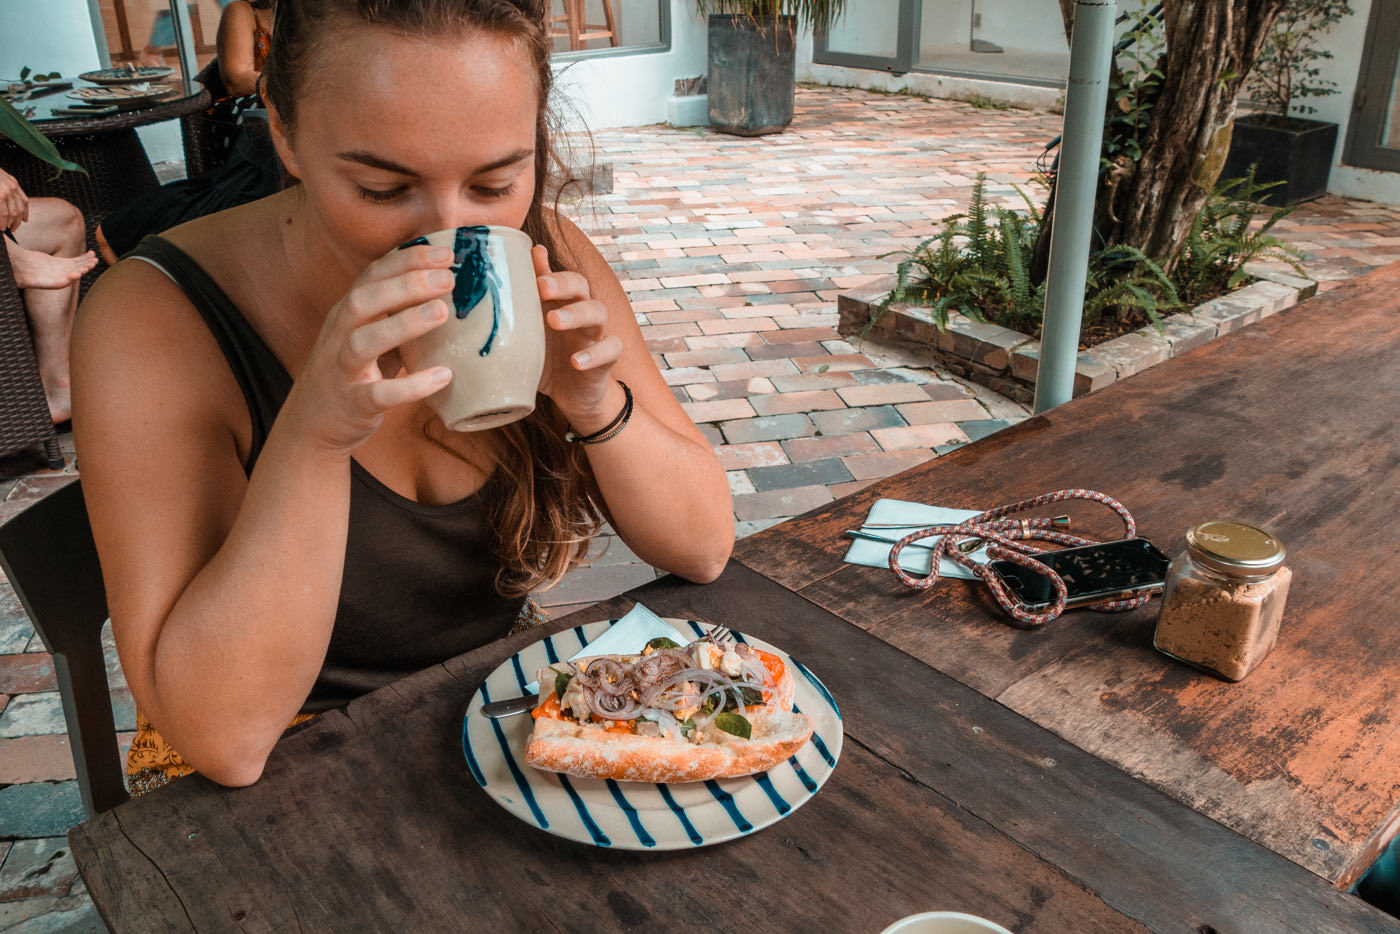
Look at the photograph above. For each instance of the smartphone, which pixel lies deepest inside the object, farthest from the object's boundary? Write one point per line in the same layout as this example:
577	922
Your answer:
1092	573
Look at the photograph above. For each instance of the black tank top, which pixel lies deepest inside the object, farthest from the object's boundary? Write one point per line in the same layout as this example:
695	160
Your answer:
417	586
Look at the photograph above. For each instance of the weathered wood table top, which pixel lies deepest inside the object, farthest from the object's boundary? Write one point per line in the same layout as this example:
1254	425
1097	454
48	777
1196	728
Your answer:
953	790
1293	424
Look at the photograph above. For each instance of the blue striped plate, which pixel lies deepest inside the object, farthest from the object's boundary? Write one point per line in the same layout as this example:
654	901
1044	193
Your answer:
640	815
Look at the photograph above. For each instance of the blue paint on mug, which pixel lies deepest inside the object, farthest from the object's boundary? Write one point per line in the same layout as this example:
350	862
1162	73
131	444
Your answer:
475	275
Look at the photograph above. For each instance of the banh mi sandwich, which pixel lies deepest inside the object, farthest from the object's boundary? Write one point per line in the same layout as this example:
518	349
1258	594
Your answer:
671	714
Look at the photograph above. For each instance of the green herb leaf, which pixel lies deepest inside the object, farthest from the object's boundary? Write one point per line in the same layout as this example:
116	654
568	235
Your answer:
688	727
561	683
14	126
662	642
734	724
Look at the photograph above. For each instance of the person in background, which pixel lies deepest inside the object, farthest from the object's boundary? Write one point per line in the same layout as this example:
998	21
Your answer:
45	239
284	523
248	171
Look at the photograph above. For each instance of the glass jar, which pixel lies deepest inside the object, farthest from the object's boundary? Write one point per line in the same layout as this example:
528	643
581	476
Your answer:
1223	598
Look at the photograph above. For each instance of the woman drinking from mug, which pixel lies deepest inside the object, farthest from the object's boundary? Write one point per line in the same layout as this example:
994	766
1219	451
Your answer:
283	523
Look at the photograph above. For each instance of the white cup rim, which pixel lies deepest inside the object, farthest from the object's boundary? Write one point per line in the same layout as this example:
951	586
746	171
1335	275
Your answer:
992	926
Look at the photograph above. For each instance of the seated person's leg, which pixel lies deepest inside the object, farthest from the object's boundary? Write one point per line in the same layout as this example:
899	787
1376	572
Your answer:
48	259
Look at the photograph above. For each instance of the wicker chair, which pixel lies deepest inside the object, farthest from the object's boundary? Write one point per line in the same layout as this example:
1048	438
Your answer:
24	414
200	132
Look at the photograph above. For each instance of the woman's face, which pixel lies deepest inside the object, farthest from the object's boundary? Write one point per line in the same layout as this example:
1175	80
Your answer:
401	136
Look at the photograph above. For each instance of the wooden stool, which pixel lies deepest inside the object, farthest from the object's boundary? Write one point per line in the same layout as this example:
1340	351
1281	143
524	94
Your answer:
577	30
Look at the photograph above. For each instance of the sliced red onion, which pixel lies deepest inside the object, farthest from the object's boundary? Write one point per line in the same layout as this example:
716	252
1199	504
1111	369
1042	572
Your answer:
660	665
611	706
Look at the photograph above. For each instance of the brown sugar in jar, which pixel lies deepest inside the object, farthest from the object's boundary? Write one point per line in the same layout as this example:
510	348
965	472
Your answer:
1224	598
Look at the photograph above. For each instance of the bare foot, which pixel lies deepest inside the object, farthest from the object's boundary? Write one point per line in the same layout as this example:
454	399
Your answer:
35	270
60	403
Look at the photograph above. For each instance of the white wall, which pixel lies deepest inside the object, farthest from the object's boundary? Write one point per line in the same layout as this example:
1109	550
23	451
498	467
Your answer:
1347	43
633	89
46	35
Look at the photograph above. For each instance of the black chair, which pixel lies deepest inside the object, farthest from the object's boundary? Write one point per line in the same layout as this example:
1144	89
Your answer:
48	554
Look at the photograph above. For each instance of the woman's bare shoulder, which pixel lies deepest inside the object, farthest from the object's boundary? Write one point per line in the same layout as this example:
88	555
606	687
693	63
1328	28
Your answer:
139	340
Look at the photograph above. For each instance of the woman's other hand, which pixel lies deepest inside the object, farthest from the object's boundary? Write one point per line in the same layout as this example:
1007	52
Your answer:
351	376
579	353
14	205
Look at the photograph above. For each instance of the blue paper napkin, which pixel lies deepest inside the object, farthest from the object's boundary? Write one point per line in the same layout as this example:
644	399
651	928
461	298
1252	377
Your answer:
628	636
911	517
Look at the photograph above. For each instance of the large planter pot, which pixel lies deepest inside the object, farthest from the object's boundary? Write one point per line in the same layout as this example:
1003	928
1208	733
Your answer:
751	73
1290	150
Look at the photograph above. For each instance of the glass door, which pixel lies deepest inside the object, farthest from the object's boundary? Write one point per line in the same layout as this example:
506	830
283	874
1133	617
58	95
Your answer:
1022	40
881	35
1373	139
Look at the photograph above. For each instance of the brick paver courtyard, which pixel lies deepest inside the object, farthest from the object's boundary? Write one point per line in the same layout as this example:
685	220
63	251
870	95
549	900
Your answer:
733	252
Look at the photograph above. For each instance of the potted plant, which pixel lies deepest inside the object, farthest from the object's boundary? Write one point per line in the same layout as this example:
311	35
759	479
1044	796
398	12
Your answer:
1285	146
751	59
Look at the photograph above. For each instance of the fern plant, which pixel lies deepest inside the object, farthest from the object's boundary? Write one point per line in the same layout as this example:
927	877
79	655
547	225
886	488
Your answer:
1225	236
980	265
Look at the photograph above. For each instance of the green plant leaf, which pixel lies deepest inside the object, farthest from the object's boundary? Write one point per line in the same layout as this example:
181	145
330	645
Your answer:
14	126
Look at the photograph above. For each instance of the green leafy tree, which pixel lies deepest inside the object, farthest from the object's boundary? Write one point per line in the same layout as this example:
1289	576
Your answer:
1288	68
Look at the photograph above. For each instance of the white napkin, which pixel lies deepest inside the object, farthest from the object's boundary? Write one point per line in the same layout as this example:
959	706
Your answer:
912	517
628	636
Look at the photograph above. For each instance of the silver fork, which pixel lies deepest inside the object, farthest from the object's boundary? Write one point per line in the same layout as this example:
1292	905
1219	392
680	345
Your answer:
722	634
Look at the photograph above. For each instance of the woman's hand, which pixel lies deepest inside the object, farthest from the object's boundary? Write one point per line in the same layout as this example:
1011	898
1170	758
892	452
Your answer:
350	378
14	205
579	353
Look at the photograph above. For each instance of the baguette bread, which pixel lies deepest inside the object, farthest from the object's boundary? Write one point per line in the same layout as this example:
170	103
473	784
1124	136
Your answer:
568	747
572	736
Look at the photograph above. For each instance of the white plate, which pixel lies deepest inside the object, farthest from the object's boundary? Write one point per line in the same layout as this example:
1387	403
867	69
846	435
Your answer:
122	96
46	83
640	815
126	76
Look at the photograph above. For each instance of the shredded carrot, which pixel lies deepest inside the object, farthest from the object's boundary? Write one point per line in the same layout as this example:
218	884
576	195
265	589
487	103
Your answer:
619	726
550	708
775	667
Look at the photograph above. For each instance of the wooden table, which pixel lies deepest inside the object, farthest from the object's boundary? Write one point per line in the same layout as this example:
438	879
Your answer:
1069	779
1293	424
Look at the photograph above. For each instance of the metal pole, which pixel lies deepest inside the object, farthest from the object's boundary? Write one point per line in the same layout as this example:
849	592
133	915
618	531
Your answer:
1091	48
99	33
184	43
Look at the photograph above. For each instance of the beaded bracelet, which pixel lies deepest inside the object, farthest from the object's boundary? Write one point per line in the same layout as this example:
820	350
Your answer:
612	428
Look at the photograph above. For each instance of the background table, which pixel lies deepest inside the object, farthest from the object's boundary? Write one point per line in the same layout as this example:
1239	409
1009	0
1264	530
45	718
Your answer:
107	146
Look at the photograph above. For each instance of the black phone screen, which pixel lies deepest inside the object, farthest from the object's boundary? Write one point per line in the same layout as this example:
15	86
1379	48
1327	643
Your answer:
1091	572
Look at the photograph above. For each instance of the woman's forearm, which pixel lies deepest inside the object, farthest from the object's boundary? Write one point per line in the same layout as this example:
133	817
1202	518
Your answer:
667	497
243	645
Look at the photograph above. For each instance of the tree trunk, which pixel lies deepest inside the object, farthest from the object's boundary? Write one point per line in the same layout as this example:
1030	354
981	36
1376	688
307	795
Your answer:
1210	47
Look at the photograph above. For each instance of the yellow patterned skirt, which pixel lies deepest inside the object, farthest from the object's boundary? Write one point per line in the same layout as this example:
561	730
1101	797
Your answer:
152	763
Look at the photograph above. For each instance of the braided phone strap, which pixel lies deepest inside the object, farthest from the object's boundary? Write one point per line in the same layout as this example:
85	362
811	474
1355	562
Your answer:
1005	538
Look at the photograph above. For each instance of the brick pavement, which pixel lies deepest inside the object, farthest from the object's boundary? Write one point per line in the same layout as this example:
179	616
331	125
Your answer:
732	252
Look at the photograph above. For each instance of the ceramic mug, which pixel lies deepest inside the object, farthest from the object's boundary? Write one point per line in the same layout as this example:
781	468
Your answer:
493	338
944	922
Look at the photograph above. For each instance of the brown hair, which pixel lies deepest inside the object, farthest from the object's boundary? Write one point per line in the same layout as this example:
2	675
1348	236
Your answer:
544	502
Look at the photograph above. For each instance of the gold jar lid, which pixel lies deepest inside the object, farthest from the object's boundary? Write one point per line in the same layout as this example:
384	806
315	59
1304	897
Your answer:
1235	549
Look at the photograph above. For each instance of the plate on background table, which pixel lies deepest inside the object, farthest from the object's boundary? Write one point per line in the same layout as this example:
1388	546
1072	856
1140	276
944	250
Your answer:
75	111
119	76
11	83
640	815
132	96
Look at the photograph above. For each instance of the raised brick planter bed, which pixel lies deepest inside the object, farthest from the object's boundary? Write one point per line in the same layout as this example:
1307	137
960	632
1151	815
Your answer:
1006	360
